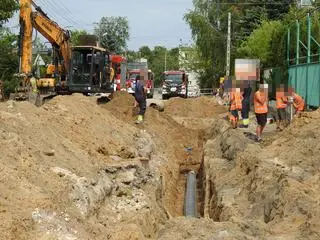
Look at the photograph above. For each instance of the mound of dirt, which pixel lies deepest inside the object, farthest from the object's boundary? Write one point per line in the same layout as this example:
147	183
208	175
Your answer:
202	107
73	169
204	229
121	105
53	169
273	185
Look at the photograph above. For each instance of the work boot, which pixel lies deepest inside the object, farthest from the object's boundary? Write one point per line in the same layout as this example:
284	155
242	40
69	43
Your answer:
140	119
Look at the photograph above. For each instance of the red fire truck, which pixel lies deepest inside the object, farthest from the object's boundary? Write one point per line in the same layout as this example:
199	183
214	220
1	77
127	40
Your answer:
146	75
116	61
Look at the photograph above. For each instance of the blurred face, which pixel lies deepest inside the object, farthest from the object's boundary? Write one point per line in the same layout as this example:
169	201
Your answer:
263	88
290	91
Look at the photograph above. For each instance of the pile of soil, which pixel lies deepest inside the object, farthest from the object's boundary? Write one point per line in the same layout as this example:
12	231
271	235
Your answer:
121	105
52	166
73	169
202	107
269	188
195	113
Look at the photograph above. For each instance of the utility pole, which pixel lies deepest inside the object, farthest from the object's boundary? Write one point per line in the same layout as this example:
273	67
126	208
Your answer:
228	46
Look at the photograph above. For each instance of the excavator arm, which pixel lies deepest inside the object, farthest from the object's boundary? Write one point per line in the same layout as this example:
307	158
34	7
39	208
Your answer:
38	20
57	36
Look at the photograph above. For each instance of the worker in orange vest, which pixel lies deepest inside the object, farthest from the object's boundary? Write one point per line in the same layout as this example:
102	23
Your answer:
235	106
261	109
281	105
298	103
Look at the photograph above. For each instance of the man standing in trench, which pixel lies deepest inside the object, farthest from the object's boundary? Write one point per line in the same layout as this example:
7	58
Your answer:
140	95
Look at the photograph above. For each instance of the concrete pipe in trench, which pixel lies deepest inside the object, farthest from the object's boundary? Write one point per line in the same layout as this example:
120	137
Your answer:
190	206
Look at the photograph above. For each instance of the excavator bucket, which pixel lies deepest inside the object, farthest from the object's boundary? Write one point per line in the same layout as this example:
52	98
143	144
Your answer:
34	91
34	98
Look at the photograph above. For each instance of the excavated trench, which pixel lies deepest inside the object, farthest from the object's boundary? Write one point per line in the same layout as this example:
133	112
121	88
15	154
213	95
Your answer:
186	190
215	153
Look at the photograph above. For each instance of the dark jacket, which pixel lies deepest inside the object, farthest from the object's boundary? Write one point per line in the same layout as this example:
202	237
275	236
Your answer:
139	91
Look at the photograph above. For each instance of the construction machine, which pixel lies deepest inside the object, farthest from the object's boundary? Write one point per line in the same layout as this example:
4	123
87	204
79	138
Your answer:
75	69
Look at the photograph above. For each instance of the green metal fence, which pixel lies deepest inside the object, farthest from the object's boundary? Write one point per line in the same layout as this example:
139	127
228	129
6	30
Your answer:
304	70
305	80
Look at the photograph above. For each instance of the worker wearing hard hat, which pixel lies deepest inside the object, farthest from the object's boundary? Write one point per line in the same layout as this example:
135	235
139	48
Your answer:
235	106
140	95
261	109
281	105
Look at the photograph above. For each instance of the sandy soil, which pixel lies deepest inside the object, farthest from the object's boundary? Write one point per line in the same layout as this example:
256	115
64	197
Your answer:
74	169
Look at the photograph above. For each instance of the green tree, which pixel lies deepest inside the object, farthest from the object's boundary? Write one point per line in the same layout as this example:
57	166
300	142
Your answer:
145	52
132	55
113	33
211	44
75	36
258	45
209	20
8	59
7	8
157	62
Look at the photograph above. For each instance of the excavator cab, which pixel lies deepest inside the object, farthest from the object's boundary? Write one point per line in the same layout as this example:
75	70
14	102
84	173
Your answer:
88	74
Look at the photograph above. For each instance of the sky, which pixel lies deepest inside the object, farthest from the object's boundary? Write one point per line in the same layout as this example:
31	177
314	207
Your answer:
151	22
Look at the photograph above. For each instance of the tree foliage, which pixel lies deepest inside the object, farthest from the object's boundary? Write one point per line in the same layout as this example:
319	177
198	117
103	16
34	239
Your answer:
258	45
7	8
209	21
75	36
158	58
113	33
8	59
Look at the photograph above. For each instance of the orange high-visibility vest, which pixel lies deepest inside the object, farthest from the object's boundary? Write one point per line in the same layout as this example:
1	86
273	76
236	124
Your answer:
236	101
280	100
263	106
298	102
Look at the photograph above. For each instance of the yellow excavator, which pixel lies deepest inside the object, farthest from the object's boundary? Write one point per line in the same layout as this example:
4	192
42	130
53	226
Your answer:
75	69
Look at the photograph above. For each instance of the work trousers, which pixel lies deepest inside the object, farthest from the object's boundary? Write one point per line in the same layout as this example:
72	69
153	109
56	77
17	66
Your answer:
245	109
142	105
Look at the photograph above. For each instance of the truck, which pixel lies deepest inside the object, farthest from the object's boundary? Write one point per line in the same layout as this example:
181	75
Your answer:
140	69
174	84
147	76
74	69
